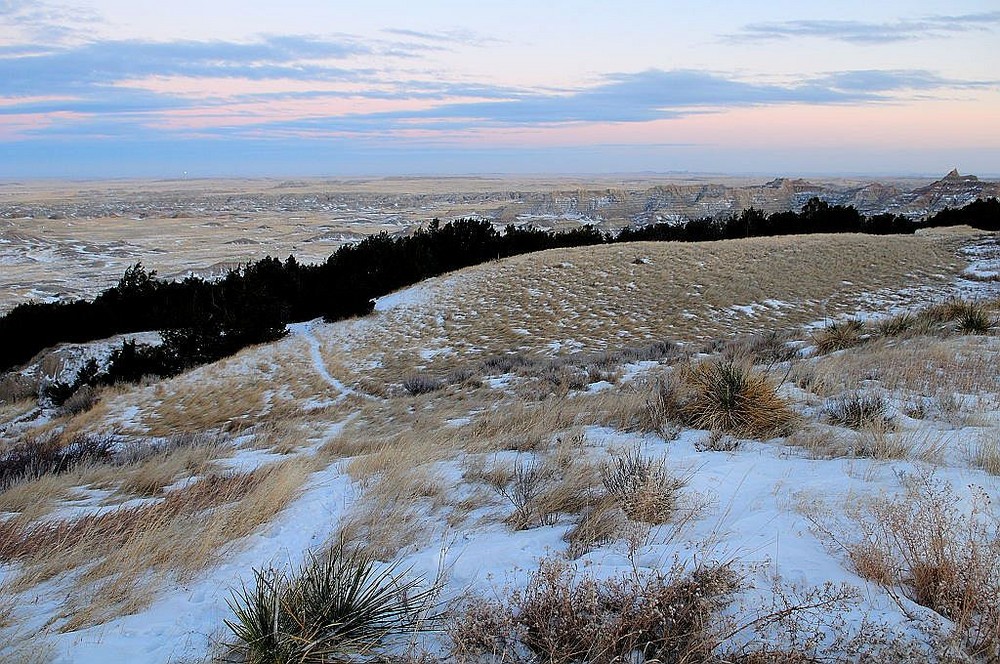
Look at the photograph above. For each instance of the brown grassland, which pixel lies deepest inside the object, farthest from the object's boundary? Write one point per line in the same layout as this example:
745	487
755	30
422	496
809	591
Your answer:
466	407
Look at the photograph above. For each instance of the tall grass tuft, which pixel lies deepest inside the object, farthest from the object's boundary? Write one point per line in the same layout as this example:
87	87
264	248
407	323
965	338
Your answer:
838	336
733	398
337	606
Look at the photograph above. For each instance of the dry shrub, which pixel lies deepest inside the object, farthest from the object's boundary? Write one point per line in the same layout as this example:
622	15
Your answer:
540	489
528	480
642	486
80	401
601	522
728	397
51	455
839	335
417	384
564	616
860	410
942	556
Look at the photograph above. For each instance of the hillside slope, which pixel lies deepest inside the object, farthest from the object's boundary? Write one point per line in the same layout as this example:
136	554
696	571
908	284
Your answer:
471	427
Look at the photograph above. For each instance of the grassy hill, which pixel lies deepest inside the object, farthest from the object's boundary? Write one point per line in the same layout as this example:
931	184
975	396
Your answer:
791	443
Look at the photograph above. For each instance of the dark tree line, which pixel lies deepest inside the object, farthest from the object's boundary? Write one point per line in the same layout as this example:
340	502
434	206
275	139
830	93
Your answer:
202	321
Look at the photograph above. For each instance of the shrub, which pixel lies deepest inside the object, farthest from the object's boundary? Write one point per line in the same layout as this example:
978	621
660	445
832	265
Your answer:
34	458
942	556
563	616
730	397
642	486
336	606
422	384
501	364
81	400
838	336
464	376
522	488
859	410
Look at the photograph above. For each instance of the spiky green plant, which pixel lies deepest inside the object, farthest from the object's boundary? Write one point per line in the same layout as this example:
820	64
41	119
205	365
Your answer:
336	606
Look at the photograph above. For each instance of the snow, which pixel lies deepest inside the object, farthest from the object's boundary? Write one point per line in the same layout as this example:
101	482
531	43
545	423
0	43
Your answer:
186	622
306	330
757	505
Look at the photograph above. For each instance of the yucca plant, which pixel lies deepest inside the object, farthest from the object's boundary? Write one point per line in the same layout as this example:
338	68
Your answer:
337	606
896	326
974	320
838	336
734	398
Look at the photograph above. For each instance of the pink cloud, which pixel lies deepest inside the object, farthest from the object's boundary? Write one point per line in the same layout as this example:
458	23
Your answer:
16	126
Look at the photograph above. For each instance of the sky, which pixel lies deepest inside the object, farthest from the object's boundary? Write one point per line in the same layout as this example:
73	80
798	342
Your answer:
227	88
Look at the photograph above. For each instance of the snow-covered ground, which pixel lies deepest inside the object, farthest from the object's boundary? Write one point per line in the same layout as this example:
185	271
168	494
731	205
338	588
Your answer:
758	505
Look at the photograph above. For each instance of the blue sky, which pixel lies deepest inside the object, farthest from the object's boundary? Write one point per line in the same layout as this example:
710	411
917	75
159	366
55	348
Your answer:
109	88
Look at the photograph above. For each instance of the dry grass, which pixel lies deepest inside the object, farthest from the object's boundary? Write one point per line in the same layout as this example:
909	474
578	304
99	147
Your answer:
564	616
943	555
986	453
393	509
727	397
925	365
839	336
120	556
642	486
169	464
597	299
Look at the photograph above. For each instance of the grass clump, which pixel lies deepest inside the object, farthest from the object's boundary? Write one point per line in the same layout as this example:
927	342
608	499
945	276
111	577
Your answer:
896	326
422	384
729	397
338	605
839	335
860	411
986	455
642	487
